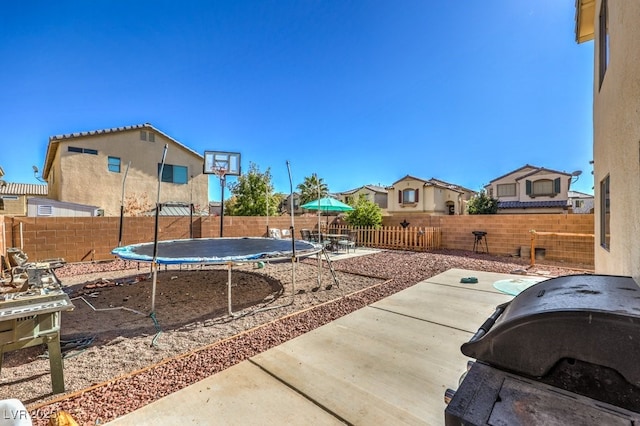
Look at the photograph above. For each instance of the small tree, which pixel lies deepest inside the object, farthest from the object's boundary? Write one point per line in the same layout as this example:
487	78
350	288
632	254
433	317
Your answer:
250	194
364	213
312	188
482	204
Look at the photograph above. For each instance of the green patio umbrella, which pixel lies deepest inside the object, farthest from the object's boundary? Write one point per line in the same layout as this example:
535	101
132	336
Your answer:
326	204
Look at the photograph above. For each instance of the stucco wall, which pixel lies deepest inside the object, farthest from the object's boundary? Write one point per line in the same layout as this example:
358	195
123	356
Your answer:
85	179
431	199
616	122
15	207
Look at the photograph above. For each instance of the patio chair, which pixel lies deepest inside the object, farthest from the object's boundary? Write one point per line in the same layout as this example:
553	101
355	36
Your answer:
348	242
306	234
275	233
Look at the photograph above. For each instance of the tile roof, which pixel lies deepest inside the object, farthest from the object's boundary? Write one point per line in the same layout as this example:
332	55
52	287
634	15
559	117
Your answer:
374	188
12	188
530	204
55	140
534	170
448	185
434	182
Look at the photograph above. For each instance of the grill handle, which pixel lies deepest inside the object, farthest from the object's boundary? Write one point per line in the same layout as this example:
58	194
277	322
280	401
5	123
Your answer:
486	326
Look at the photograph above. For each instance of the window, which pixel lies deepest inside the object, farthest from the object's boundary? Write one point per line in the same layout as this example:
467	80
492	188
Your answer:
507	190
578	204
173	174
603	40
1	204
543	187
113	164
82	150
408	196
605	214
147	136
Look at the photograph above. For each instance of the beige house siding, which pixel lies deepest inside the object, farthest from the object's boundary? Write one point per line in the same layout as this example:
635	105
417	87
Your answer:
616	125
13	205
84	178
377	197
14	197
433	198
517	181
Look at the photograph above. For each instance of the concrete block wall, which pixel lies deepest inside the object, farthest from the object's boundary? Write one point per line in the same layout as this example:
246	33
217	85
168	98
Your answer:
78	239
507	233
93	238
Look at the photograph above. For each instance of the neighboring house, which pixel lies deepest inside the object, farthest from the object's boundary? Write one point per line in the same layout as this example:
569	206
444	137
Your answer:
14	197
531	189
436	197
285	205
46	207
215	208
613	26
579	202
90	167
374	193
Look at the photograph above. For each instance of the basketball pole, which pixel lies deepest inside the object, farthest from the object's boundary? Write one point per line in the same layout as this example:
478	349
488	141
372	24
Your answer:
222	183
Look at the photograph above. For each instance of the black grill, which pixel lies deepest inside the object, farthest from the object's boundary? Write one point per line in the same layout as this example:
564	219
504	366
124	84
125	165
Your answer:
575	336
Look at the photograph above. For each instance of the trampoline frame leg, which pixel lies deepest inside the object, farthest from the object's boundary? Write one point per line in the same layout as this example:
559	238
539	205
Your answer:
229	267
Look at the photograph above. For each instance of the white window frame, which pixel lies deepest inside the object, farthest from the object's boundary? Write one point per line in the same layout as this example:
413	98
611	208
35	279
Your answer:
409	196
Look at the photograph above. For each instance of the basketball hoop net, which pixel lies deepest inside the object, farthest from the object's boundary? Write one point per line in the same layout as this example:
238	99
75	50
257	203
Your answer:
220	172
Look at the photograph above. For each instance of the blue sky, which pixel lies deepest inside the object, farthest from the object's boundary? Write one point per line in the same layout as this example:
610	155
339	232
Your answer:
359	92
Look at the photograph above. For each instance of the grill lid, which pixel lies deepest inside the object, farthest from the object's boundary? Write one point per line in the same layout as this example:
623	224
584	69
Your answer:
592	318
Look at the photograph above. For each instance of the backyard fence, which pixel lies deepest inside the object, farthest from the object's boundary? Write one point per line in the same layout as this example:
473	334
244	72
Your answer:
396	237
566	238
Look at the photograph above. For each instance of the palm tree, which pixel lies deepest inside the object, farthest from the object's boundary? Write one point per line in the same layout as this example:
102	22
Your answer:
312	188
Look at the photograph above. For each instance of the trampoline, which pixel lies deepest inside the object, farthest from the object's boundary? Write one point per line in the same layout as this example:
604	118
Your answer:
226	251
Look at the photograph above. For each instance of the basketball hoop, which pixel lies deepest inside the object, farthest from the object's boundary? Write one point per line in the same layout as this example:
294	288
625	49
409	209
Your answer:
221	164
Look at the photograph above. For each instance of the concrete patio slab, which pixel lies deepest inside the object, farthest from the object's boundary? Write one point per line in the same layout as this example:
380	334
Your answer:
485	282
373	367
387	363
240	395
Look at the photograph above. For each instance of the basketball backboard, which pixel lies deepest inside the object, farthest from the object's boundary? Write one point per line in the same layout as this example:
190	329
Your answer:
222	163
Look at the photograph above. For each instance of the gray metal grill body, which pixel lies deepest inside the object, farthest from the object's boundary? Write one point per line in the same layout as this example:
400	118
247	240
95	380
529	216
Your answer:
576	335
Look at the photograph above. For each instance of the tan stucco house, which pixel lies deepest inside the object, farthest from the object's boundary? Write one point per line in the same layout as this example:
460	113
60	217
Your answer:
14	197
374	193
580	203
613	26
90	167
531	189
432	196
